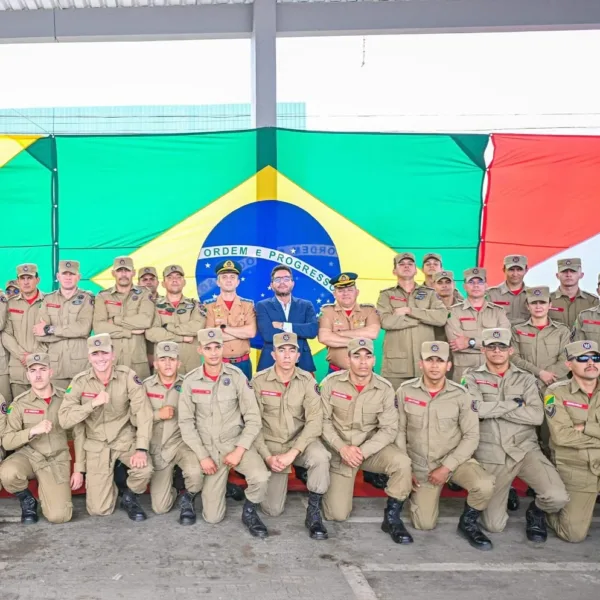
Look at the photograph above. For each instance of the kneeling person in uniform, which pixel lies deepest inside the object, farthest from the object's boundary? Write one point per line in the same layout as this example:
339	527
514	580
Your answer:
360	425
439	430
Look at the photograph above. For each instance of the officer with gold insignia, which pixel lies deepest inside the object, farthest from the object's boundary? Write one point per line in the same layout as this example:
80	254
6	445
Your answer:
408	313
148	278
125	312
345	320
234	315
573	415
12	288
510	294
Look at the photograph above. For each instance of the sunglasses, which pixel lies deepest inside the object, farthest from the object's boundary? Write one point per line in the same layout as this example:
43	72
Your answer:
587	357
496	347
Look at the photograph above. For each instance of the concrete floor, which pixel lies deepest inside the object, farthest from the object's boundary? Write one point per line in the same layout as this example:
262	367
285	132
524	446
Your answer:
112	558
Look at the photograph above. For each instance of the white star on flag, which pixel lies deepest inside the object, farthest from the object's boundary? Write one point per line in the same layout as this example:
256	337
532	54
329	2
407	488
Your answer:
293	250
262	295
214	296
243	279
207	265
318	300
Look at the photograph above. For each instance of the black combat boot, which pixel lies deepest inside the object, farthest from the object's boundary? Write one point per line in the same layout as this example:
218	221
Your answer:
187	516
468	527
314	521
301	474
252	521
377	480
235	491
513	500
29	505
535	526
392	523
130	502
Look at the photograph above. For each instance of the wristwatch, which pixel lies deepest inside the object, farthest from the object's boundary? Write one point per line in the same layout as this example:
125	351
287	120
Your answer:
222	325
472	343
48	329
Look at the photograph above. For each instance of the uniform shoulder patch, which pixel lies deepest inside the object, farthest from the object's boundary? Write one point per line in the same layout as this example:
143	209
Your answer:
3	408
383	380
3	298
192	373
137	380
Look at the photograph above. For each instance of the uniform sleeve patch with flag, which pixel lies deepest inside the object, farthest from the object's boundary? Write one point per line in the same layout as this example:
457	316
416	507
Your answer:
3	408
68	390
9	410
548	400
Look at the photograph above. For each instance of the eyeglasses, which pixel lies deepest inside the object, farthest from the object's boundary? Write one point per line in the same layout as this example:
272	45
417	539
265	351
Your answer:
501	347
587	357
285	279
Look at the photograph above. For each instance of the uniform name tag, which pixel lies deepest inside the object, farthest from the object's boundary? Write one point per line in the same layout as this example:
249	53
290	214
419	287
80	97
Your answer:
269	393
164	312
16	310
33	411
200	391
89	395
113	302
525	333
53	305
501	303
558	308
467	319
159	396
575	404
398	298
340	395
484	382
415	401
590	322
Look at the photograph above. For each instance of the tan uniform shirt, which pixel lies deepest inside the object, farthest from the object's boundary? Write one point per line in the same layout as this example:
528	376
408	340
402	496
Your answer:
335	318
292	415
566	312
217	416
575	453
406	333
587	325
109	424
515	305
3	321
506	430
172	324
26	411
128	312
18	337
242	313
72	320
443	431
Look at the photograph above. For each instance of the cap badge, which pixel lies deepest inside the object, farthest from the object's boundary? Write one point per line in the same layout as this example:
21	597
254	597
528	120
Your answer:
537	292
166	347
25	268
97	343
211	334
36	357
361	342
475	271
228	264
344	277
122	261
515	259
586	345
286	337
567	262
496	334
435	348
68	264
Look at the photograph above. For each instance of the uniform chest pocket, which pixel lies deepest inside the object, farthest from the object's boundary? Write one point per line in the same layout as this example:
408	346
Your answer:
415	415
270	404
447	417
513	393
468	323
31	419
489	320
371	411
552	349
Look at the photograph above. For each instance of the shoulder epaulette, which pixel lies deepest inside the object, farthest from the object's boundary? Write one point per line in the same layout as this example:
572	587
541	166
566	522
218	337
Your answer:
408	381
192	372
80	375
558	384
137	290
458	385
210	301
15	400
383	380
246	300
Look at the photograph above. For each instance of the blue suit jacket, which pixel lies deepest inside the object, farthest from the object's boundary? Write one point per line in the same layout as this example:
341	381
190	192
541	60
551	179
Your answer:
304	323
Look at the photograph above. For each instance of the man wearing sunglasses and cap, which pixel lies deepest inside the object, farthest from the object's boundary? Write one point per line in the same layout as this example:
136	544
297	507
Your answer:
12	288
573	414
510	294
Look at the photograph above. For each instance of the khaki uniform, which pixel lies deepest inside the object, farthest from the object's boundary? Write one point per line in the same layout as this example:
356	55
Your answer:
566	312
368	420
292	417
19	340
587	325
242	313
110	434
465	320
576	455
3	411
334	318
443	431
4	376
172	324
129	312
508	443
514	305
72	322
405	333
168	449
44	457
215	417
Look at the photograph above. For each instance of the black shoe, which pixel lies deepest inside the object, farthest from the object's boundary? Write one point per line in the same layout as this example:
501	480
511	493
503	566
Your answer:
392	523
301	474
513	500
178	480
313	521
377	480
530	492
29	506
252	521
120	477
129	502
535	527
234	491
469	529
187	516
454	486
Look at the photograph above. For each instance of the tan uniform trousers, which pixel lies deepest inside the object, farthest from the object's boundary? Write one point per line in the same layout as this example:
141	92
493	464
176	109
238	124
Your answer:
397	382
18	388
337	502
162	492
425	501
538	473
54	486
5	388
252	467
101	491
316	459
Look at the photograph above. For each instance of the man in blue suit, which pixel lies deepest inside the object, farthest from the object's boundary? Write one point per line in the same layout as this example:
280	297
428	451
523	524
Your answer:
285	313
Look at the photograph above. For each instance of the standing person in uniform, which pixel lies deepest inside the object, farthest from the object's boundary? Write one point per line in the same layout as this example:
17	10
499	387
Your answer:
587	325
5	391
110	401
288	314
148	278
360	426
178	319
510	294
167	447
439	430
573	411
40	448
235	316
432	264
125	312
408	313
510	408
65	322
219	420
467	321
292	423
569	300
445	287
18	337
12	288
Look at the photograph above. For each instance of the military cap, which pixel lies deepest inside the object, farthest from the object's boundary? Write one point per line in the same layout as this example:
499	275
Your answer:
209	336
167	349
123	262
575	349
27	269
402	256
515	260
539	293
12	283
360	344
496	336
38	358
173	269
285	339
147	271
569	264
475	273
432	255
443	275
99	343
68	266
344	280
439	349
228	266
